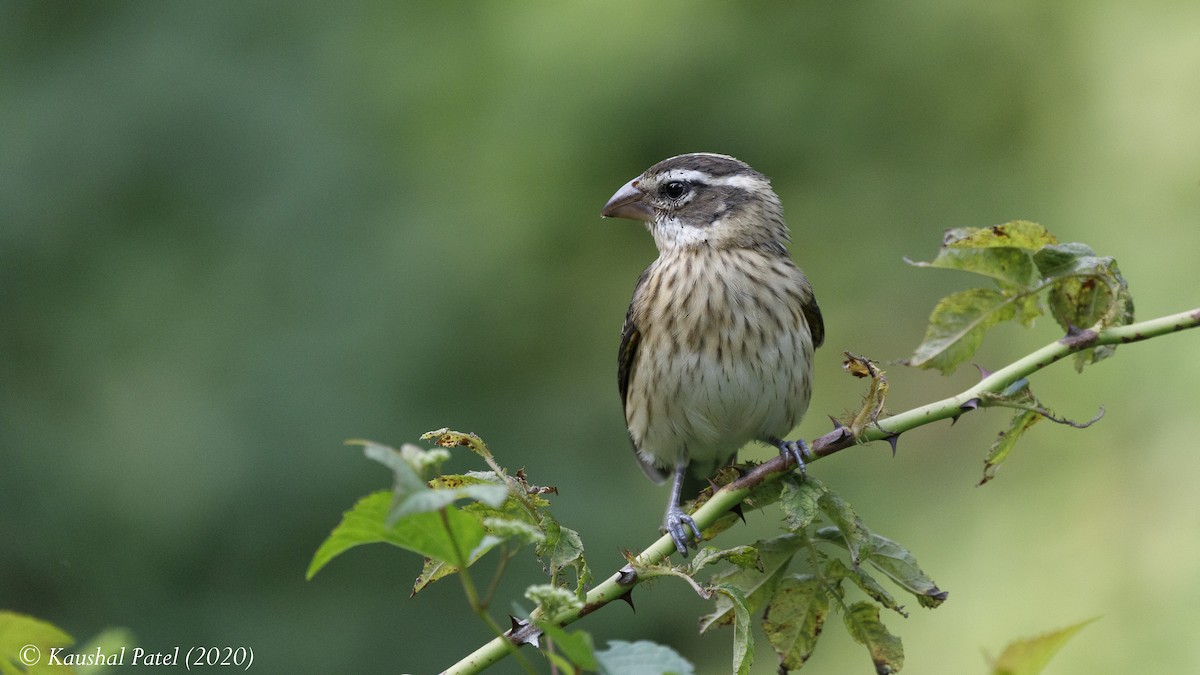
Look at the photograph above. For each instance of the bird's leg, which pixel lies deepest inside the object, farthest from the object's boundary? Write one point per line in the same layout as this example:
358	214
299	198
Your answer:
797	450
678	524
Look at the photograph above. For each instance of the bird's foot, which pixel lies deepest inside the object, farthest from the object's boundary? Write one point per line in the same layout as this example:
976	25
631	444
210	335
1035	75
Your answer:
797	450
682	529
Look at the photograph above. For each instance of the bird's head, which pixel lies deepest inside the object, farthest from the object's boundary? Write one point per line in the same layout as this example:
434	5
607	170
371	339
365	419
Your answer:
703	199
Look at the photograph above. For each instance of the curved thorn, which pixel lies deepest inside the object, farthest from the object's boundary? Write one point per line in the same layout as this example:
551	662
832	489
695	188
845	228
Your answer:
737	508
628	597
892	440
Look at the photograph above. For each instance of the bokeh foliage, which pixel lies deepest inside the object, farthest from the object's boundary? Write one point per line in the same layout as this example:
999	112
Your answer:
234	234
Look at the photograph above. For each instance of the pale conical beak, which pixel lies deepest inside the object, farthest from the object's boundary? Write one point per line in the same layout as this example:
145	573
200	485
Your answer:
627	203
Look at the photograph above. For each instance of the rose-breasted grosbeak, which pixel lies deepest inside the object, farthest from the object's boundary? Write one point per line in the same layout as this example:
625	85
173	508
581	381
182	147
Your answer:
718	342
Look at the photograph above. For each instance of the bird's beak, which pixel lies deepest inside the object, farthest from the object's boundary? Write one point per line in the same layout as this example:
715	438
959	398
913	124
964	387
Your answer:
627	203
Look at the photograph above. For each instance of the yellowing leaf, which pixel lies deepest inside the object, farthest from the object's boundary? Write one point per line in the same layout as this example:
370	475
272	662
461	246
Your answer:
1030	656
1002	252
794	619
863	624
1024	260
755	585
957	326
1006	441
1022	234
1088	291
25	640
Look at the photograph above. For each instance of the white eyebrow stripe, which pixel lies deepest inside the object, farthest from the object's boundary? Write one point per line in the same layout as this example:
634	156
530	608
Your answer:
739	180
688	176
736	180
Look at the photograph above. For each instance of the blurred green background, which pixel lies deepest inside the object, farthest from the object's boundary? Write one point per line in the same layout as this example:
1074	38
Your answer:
234	234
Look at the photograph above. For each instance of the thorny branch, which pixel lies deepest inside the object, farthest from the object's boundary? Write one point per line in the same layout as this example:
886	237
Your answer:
619	585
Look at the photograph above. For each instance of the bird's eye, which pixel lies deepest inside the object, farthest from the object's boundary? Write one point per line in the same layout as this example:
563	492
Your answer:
675	190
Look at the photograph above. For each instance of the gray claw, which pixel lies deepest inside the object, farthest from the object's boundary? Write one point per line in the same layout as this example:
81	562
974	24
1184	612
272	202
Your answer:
797	450
682	528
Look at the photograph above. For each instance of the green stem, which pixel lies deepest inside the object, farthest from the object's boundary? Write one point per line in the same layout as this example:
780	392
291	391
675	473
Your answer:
479	608
1024	367
731	495
505	556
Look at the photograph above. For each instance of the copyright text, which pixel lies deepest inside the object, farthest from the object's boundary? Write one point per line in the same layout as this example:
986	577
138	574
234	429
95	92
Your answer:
198	656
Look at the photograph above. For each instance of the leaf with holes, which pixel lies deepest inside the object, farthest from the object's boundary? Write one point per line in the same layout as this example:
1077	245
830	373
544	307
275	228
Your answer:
795	617
1002	252
755	585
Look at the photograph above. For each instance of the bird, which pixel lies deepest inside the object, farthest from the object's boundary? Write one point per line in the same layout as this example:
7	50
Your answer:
717	346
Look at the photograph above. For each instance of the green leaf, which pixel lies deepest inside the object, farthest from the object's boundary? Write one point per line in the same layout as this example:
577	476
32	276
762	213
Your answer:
493	496
1008	265
1059	261
836	569
1023	258
1027	308
895	562
756	585
576	646
1030	656
1088	292
511	509
1005	442
862	622
1105	303
508	528
1003	252
742	556
423	533
429	535
799	501
413	495
18	633
854	533
410	493
641	658
957	325
794	619
899	565
563	548
403	467
559	662
1020	234
743	637
439	569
